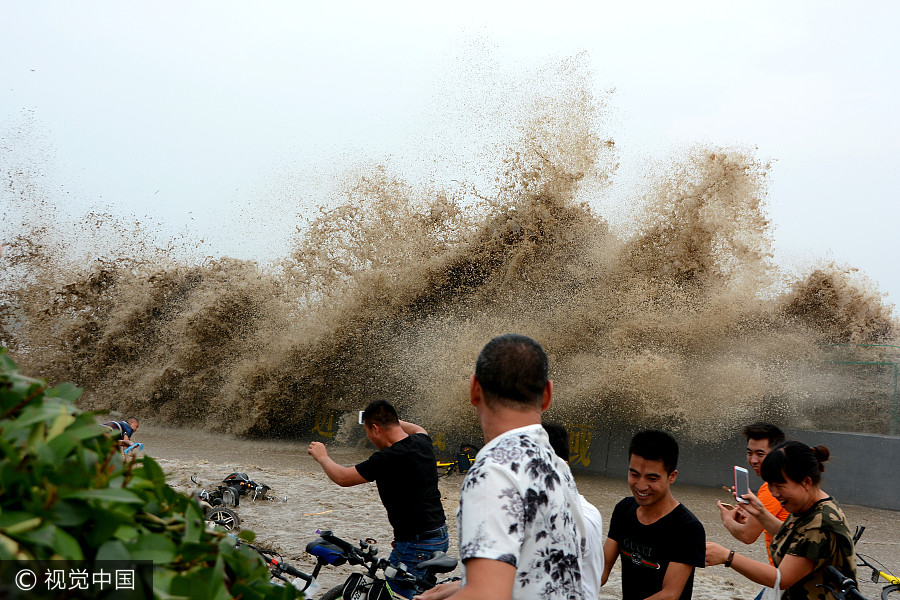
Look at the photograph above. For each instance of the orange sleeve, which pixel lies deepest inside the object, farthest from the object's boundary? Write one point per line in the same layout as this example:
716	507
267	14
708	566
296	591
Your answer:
772	505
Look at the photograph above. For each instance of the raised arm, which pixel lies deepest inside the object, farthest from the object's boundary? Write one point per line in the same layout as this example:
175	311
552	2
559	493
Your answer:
739	524
411	428
761	514
343	476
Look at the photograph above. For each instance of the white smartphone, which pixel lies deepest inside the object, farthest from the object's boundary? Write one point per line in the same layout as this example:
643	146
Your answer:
741	483
360	416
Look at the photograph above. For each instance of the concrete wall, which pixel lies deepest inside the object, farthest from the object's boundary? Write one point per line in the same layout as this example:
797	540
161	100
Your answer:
860	470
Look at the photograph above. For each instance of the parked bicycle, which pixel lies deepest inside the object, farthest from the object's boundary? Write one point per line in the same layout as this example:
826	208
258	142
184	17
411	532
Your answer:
280	569
842	587
332	550
892	590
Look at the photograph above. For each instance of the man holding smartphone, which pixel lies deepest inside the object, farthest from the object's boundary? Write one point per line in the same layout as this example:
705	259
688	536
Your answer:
761	439
405	470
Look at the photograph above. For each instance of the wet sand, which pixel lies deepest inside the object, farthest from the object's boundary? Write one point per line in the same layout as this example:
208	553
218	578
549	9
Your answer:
314	502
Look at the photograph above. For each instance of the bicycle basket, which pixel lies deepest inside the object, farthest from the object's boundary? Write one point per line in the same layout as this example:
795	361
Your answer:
327	553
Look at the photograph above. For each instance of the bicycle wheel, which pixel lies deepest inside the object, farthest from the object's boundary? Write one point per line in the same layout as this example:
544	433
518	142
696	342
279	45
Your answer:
334	593
225	517
891	592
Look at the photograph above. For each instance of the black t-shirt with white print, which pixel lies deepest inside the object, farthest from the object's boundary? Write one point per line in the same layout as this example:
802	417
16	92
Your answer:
647	550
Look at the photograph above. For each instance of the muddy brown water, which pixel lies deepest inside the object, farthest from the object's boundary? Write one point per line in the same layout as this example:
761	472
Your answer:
313	502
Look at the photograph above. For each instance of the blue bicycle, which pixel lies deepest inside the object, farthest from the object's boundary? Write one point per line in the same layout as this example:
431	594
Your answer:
332	550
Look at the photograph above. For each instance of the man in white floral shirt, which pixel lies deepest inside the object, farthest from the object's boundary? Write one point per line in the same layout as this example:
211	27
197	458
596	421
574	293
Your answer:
519	518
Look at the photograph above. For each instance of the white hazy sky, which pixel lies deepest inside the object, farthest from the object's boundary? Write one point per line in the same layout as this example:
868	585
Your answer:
224	120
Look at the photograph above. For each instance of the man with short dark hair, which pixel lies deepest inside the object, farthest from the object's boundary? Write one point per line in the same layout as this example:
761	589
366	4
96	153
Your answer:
404	469
519	519
761	439
661	541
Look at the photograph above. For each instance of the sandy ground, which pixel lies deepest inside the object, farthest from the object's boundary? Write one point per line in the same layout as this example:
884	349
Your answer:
313	502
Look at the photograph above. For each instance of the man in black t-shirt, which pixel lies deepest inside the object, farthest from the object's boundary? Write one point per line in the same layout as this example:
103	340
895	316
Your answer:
661	541
404	469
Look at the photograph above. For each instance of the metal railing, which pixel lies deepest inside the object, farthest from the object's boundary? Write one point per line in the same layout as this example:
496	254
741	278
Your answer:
895	426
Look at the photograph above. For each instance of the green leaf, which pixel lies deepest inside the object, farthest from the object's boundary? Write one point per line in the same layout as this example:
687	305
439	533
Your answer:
46	455
13	523
247	535
59	425
7	365
194	585
36	436
152	470
86	432
102	526
155	546
245	592
194	524
8	548
47	412
107	495
113	550
55	456
65	391
8	450
66	546
70	514
42	536
126	532
217	590
62	445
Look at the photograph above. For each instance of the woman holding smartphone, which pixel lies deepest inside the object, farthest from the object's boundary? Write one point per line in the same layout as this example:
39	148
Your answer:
814	536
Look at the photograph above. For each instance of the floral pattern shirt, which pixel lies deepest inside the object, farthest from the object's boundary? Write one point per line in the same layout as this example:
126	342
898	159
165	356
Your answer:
519	504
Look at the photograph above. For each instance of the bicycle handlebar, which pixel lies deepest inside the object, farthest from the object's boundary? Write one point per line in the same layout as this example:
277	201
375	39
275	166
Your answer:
355	556
330	537
366	555
846	587
295	573
282	567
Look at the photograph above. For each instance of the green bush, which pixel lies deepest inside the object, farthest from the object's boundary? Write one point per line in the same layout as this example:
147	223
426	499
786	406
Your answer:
67	493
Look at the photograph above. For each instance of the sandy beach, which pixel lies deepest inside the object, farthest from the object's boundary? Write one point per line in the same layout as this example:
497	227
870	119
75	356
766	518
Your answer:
313	502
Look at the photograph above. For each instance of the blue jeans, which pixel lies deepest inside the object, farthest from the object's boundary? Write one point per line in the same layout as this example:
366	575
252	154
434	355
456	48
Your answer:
411	554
